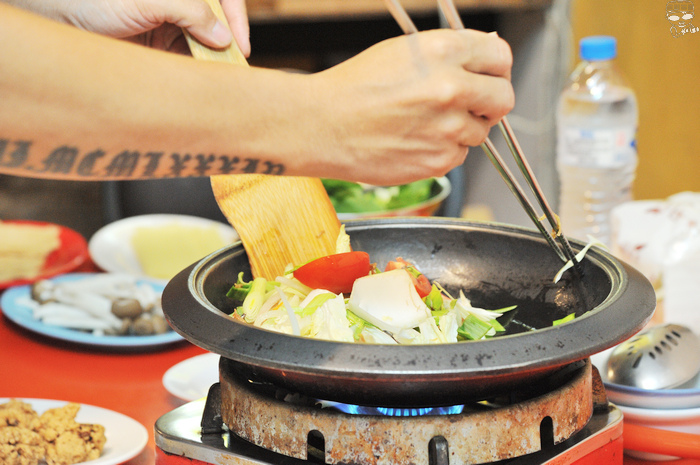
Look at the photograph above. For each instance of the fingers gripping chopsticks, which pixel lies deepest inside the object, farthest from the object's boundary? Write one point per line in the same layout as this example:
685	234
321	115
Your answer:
562	248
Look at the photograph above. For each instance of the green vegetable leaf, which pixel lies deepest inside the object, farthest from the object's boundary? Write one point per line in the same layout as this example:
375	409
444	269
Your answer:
434	300
473	328
350	197
315	303
412	194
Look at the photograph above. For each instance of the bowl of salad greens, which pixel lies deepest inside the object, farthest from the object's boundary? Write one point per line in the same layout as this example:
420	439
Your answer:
354	200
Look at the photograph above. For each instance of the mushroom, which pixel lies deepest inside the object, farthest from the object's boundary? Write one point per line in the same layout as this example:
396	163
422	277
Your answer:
127	308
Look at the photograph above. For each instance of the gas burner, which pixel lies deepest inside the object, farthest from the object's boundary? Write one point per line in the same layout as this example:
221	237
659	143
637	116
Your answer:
286	423
259	424
352	409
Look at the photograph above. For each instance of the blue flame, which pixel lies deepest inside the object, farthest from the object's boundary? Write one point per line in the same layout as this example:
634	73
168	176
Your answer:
397	412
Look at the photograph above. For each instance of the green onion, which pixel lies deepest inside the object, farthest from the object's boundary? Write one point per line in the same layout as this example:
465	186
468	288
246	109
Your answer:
434	299
505	309
569	317
474	328
254	300
497	326
240	290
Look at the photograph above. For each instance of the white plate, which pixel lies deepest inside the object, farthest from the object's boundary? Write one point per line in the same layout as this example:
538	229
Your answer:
126	437
191	379
656	417
14	306
686	396
111	250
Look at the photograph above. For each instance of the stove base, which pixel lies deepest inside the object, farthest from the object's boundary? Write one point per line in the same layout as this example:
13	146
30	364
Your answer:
179	442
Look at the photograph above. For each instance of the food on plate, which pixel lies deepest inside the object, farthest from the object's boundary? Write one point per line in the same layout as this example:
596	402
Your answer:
67	441
397	305
21	446
350	197
165	250
103	304
54	437
24	248
17	413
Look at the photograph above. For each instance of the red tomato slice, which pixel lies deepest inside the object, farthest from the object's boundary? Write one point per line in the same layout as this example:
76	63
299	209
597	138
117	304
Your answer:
335	273
420	282
423	285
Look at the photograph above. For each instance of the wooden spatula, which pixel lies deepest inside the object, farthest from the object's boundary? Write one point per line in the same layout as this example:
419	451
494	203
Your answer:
280	220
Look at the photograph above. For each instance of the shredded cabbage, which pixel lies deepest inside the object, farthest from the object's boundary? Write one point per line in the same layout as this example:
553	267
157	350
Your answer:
288	306
383	308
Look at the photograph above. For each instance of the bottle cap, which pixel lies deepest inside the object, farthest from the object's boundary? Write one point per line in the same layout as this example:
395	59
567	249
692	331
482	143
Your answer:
596	48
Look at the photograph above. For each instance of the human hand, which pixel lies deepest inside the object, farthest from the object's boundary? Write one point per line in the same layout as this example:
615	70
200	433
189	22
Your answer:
409	107
156	23
199	21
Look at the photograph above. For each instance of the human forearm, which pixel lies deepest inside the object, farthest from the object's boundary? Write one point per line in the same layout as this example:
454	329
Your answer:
72	104
80	106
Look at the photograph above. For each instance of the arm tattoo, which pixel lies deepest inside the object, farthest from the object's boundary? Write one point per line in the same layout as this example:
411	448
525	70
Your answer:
70	160
15	153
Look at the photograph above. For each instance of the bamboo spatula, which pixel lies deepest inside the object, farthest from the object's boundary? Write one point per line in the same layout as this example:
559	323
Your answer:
280	220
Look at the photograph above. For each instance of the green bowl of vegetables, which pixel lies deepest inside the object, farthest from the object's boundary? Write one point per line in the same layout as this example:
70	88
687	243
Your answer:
354	201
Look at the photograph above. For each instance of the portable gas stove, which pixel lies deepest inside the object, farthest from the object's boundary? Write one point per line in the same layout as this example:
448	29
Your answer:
527	396
565	419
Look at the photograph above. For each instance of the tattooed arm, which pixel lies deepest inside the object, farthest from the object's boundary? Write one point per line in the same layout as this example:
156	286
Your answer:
77	105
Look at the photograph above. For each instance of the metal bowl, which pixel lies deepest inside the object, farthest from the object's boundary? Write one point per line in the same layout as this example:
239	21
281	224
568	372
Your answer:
496	265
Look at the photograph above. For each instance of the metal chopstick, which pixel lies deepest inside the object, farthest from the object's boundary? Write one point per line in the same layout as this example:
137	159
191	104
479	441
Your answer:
452	16
563	250
401	17
530	178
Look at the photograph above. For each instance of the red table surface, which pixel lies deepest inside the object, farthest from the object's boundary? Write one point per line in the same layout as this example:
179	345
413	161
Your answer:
128	382
34	366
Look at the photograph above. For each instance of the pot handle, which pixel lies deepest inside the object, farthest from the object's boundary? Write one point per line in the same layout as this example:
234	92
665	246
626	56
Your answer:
659	441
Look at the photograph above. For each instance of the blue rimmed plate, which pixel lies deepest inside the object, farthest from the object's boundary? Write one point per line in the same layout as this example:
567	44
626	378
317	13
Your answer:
15	305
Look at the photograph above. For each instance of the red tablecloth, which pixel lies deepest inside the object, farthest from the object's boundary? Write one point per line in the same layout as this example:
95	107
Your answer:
33	366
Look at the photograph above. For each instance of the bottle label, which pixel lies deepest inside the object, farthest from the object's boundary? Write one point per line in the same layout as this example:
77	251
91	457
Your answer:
605	148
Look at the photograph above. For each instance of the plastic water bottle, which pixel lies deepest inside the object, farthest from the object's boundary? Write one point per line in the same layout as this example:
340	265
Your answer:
596	147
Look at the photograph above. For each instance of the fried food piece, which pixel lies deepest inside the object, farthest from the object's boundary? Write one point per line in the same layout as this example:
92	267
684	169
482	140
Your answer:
80	444
54	438
17	413
67	441
20	446
53	422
